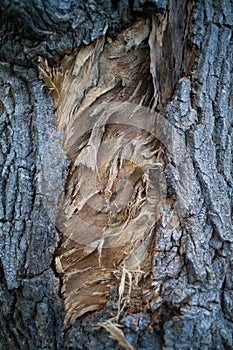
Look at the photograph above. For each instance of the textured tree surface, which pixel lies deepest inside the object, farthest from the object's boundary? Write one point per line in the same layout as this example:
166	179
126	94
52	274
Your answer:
174	57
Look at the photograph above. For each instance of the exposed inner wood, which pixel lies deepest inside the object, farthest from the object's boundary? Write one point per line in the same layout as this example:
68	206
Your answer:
112	195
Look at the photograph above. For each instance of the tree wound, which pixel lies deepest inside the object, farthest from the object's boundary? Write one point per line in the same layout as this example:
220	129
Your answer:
110	206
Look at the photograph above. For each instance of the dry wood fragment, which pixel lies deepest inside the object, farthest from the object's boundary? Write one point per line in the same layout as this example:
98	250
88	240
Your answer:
108	217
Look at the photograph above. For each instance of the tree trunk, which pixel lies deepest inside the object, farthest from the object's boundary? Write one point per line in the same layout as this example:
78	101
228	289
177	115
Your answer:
75	75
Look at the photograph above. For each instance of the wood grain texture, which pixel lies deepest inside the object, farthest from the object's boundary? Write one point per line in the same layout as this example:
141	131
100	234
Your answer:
110	210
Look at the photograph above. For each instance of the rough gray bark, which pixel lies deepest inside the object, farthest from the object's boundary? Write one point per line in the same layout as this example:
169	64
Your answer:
193	263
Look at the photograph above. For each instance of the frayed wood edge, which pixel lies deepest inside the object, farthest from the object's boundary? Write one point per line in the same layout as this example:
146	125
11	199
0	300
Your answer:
115	333
132	276
112	326
47	74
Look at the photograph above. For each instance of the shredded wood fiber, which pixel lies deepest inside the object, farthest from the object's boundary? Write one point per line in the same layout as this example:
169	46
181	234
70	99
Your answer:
107	221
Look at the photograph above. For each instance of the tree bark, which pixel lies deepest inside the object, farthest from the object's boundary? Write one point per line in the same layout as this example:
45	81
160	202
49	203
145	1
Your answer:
186	81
